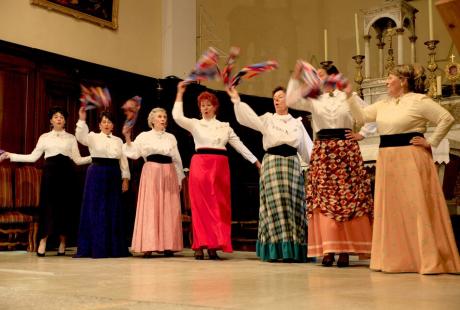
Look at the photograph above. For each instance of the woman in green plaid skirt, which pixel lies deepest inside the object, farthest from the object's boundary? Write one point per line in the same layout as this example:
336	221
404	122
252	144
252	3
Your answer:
282	223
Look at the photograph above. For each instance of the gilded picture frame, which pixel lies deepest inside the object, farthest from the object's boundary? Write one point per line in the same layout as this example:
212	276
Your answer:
101	12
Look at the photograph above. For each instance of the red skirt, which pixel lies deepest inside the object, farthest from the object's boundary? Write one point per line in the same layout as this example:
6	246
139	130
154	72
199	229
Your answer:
209	184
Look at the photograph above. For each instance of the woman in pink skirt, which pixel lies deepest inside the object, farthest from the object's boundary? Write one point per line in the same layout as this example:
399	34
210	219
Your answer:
158	225
412	229
209	181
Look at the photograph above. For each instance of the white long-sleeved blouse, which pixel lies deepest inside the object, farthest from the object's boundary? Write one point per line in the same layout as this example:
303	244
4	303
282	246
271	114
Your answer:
276	129
53	143
410	113
155	142
210	133
103	146
328	112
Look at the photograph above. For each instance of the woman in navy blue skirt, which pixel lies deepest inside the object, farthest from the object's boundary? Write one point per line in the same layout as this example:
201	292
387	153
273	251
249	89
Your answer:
101	233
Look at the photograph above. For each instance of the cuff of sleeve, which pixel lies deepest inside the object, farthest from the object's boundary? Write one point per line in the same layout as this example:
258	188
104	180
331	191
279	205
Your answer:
81	123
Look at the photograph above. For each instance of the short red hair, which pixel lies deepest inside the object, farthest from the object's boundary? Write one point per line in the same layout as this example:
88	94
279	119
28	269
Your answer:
208	96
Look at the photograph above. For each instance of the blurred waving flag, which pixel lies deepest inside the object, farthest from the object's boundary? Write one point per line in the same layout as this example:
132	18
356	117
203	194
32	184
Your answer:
206	67
252	70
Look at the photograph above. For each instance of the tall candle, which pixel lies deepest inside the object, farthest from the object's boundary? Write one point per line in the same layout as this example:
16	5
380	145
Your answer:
439	85
325	44
430	18
358	51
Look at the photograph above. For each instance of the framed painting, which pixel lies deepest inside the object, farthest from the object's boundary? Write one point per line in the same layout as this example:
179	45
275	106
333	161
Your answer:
101	12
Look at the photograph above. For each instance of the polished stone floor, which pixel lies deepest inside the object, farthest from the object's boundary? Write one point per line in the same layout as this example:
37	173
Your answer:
239	281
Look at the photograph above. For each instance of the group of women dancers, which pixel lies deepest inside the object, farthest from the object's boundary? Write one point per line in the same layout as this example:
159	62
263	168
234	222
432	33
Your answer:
405	228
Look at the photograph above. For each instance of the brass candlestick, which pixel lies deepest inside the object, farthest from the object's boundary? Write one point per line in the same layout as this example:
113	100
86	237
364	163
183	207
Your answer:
359	74
432	66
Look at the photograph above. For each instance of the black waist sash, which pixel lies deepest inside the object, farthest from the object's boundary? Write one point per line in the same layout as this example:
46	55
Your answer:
58	159
100	161
161	159
400	139
332	133
282	150
212	151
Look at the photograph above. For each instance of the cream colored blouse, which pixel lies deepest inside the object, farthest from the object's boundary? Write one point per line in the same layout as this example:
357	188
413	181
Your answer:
409	113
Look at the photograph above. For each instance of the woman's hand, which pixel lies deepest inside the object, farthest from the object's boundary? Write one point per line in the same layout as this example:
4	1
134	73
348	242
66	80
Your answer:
233	93
82	114
297	70
258	165
126	131
350	135
4	156
420	141
348	90
125	185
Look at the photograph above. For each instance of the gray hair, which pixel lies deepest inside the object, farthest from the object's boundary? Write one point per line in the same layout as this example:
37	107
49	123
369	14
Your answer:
152	115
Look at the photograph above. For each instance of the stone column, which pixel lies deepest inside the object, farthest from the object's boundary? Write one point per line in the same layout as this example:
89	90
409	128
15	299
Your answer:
380	45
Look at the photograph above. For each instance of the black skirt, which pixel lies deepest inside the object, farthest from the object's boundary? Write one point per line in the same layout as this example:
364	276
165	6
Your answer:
57	196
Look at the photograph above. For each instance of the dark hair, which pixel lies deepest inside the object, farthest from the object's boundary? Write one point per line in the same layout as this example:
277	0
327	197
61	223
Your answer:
332	70
277	89
208	96
107	115
413	74
54	110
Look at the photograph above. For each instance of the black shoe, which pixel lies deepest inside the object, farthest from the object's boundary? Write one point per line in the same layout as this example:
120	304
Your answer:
344	260
40	254
328	260
168	253
213	255
199	255
60	253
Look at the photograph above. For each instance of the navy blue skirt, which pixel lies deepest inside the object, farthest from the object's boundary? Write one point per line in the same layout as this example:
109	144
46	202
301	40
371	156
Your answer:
101	232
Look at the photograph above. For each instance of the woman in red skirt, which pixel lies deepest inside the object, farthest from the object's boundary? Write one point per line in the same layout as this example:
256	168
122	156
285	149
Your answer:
209	180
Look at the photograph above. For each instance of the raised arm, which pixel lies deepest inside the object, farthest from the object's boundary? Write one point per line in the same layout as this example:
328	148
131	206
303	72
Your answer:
243	112
294	98
82	130
178	109
131	149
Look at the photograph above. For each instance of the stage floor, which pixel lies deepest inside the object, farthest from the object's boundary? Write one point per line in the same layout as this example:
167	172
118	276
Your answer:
239	281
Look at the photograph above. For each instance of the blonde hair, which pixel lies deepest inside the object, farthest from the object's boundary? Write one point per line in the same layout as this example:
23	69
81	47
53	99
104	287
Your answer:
152	114
414	74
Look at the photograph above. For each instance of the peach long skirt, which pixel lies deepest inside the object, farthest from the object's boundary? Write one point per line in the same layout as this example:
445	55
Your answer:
412	228
158	225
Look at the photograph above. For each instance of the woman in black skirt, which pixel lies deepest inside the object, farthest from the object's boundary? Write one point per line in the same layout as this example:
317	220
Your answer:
57	185
101	233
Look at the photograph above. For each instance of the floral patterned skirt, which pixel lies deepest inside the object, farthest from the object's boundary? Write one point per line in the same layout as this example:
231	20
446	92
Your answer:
338	184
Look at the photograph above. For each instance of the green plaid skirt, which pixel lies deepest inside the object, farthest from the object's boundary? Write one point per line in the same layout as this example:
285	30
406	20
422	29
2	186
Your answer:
282	221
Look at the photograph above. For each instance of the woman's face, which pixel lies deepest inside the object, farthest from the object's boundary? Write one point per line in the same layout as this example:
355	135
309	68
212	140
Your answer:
394	86
58	121
322	74
279	100
207	110
160	120
106	126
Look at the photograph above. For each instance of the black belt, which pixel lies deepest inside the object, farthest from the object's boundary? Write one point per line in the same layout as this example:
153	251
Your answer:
212	151
400	139
282	150
332	133
58	159
161	159
101	161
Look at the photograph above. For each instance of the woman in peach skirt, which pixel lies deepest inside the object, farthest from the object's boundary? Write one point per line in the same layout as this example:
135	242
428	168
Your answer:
158	225
412	229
